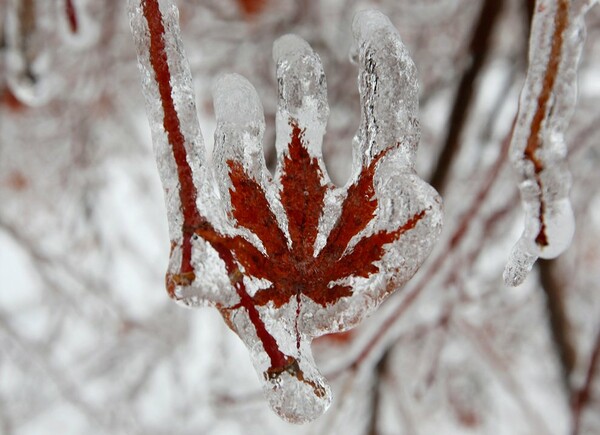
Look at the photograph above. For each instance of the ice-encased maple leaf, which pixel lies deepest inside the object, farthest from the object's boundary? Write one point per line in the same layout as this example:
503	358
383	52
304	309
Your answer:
290	257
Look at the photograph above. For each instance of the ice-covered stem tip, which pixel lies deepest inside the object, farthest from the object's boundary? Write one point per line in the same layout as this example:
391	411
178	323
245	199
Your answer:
291	257
538	151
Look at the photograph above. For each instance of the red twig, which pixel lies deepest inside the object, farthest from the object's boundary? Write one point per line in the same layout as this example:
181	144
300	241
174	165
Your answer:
171	124
561	21
71	16
192	219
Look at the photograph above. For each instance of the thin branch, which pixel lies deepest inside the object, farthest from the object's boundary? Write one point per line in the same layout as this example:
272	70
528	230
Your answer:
559	323
479	49
379	374
582	399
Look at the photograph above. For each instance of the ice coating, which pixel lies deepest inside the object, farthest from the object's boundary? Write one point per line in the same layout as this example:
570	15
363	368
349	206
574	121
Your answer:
302	94
240	129
389	107
538	150
290	257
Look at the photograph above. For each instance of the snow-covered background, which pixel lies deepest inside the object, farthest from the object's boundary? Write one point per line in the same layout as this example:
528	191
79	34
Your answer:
90	343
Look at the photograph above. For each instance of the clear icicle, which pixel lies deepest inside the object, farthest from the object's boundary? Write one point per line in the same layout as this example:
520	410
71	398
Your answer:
538	150
290	258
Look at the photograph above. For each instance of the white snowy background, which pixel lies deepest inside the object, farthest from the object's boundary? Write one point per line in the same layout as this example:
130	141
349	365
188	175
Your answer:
90	343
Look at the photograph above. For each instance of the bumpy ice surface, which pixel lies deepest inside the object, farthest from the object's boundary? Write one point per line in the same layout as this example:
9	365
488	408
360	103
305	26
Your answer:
289	257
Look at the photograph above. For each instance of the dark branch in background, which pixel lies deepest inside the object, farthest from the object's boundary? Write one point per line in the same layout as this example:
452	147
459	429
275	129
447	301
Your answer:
379	375
27	28
479	49
71	16
583	397
557	317
530	5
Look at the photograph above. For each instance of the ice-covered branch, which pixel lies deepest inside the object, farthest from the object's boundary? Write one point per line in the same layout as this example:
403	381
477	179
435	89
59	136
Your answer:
291	258
538	150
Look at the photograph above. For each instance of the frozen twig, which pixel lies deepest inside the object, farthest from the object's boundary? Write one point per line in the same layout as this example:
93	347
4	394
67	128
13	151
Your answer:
538	150
291	258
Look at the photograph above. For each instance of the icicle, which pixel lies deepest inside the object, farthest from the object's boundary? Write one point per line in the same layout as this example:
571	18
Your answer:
538	150
291	258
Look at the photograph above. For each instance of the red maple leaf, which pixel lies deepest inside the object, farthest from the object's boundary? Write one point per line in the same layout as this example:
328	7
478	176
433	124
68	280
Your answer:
296	270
